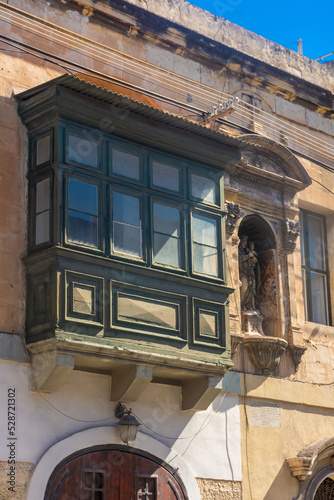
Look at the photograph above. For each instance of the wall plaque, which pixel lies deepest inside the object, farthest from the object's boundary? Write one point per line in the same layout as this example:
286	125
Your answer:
265	414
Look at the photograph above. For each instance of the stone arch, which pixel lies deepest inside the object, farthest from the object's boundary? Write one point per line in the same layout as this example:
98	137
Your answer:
101	436
312	466
259	231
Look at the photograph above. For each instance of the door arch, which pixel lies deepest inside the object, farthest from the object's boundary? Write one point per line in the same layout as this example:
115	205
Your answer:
114	473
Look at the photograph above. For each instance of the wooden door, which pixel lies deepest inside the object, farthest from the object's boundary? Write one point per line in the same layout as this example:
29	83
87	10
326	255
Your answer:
112	474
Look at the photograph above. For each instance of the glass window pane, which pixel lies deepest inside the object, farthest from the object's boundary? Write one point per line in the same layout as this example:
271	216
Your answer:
204	230
166	250
125	164
127	239
82	228
43	150
305	293
205	260
165	176
127	227
43	196
42	227
316	242
126	209
319	299
83	197
302	253
82	150
166	219
203	188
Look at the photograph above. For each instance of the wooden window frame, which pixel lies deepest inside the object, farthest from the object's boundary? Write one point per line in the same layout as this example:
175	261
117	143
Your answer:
308	269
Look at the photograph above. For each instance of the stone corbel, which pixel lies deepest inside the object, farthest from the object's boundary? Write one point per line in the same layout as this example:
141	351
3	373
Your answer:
232	216
296	353
265	352
291	233
235	341
50	370
300	467
129	382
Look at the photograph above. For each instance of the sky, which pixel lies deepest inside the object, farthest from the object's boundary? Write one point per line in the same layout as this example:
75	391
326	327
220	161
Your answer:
282	21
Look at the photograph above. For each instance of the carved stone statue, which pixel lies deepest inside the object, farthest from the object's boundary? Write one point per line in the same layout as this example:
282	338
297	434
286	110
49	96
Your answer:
247	274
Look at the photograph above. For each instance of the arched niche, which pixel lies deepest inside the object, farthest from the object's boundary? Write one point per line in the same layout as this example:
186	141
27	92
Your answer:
258	230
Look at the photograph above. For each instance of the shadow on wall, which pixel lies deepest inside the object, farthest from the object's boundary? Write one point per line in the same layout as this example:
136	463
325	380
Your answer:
284	485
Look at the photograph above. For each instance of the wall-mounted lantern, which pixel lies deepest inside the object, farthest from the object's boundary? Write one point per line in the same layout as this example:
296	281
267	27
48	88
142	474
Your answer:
127	424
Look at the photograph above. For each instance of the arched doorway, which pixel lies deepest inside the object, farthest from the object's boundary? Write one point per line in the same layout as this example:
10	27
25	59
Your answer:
113	473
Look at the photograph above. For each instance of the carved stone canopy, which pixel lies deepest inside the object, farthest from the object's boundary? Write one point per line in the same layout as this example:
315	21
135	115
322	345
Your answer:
269	162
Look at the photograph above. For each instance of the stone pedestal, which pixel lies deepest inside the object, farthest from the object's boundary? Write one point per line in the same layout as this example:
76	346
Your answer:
252	322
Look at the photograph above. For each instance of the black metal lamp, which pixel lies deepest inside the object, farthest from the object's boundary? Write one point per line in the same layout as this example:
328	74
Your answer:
127	424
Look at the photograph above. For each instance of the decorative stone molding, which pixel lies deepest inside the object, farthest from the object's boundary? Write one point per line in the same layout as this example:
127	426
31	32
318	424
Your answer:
233	214
291	233
235	341
314	457
265	352
296	353
300	467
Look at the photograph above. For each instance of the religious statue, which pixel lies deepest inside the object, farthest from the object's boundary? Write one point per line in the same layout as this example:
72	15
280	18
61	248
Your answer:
247	273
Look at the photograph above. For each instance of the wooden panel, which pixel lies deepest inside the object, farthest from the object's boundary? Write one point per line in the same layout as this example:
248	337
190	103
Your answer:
125	477
84	298
209	323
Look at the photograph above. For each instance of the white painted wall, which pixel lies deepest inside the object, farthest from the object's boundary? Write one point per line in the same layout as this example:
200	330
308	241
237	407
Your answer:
208	442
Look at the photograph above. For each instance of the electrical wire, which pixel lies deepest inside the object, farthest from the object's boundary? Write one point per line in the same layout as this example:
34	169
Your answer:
244	111
156	74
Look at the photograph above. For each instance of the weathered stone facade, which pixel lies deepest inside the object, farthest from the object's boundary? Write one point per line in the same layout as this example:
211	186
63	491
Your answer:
212	489
263	431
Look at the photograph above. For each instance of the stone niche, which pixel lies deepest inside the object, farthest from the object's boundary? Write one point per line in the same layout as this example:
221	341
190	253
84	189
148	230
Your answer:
258	293
265	301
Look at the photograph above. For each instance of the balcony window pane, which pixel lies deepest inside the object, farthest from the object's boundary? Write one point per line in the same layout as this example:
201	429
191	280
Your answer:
43	150
204	230
43	195
82	228
125	164
205	251
42	230
127	226
319	300
82	222
82	150
166	176
166	250
203	189
166	235
83	197
205	260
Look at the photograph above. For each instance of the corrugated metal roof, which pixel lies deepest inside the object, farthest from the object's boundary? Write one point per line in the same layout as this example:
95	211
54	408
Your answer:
87	88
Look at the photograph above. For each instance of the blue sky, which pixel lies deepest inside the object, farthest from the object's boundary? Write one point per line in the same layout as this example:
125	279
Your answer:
282	21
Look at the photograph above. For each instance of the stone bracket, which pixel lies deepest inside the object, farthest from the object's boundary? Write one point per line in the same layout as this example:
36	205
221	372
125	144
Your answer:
50	370
300	467
265	352
296	353
128	383
198	393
